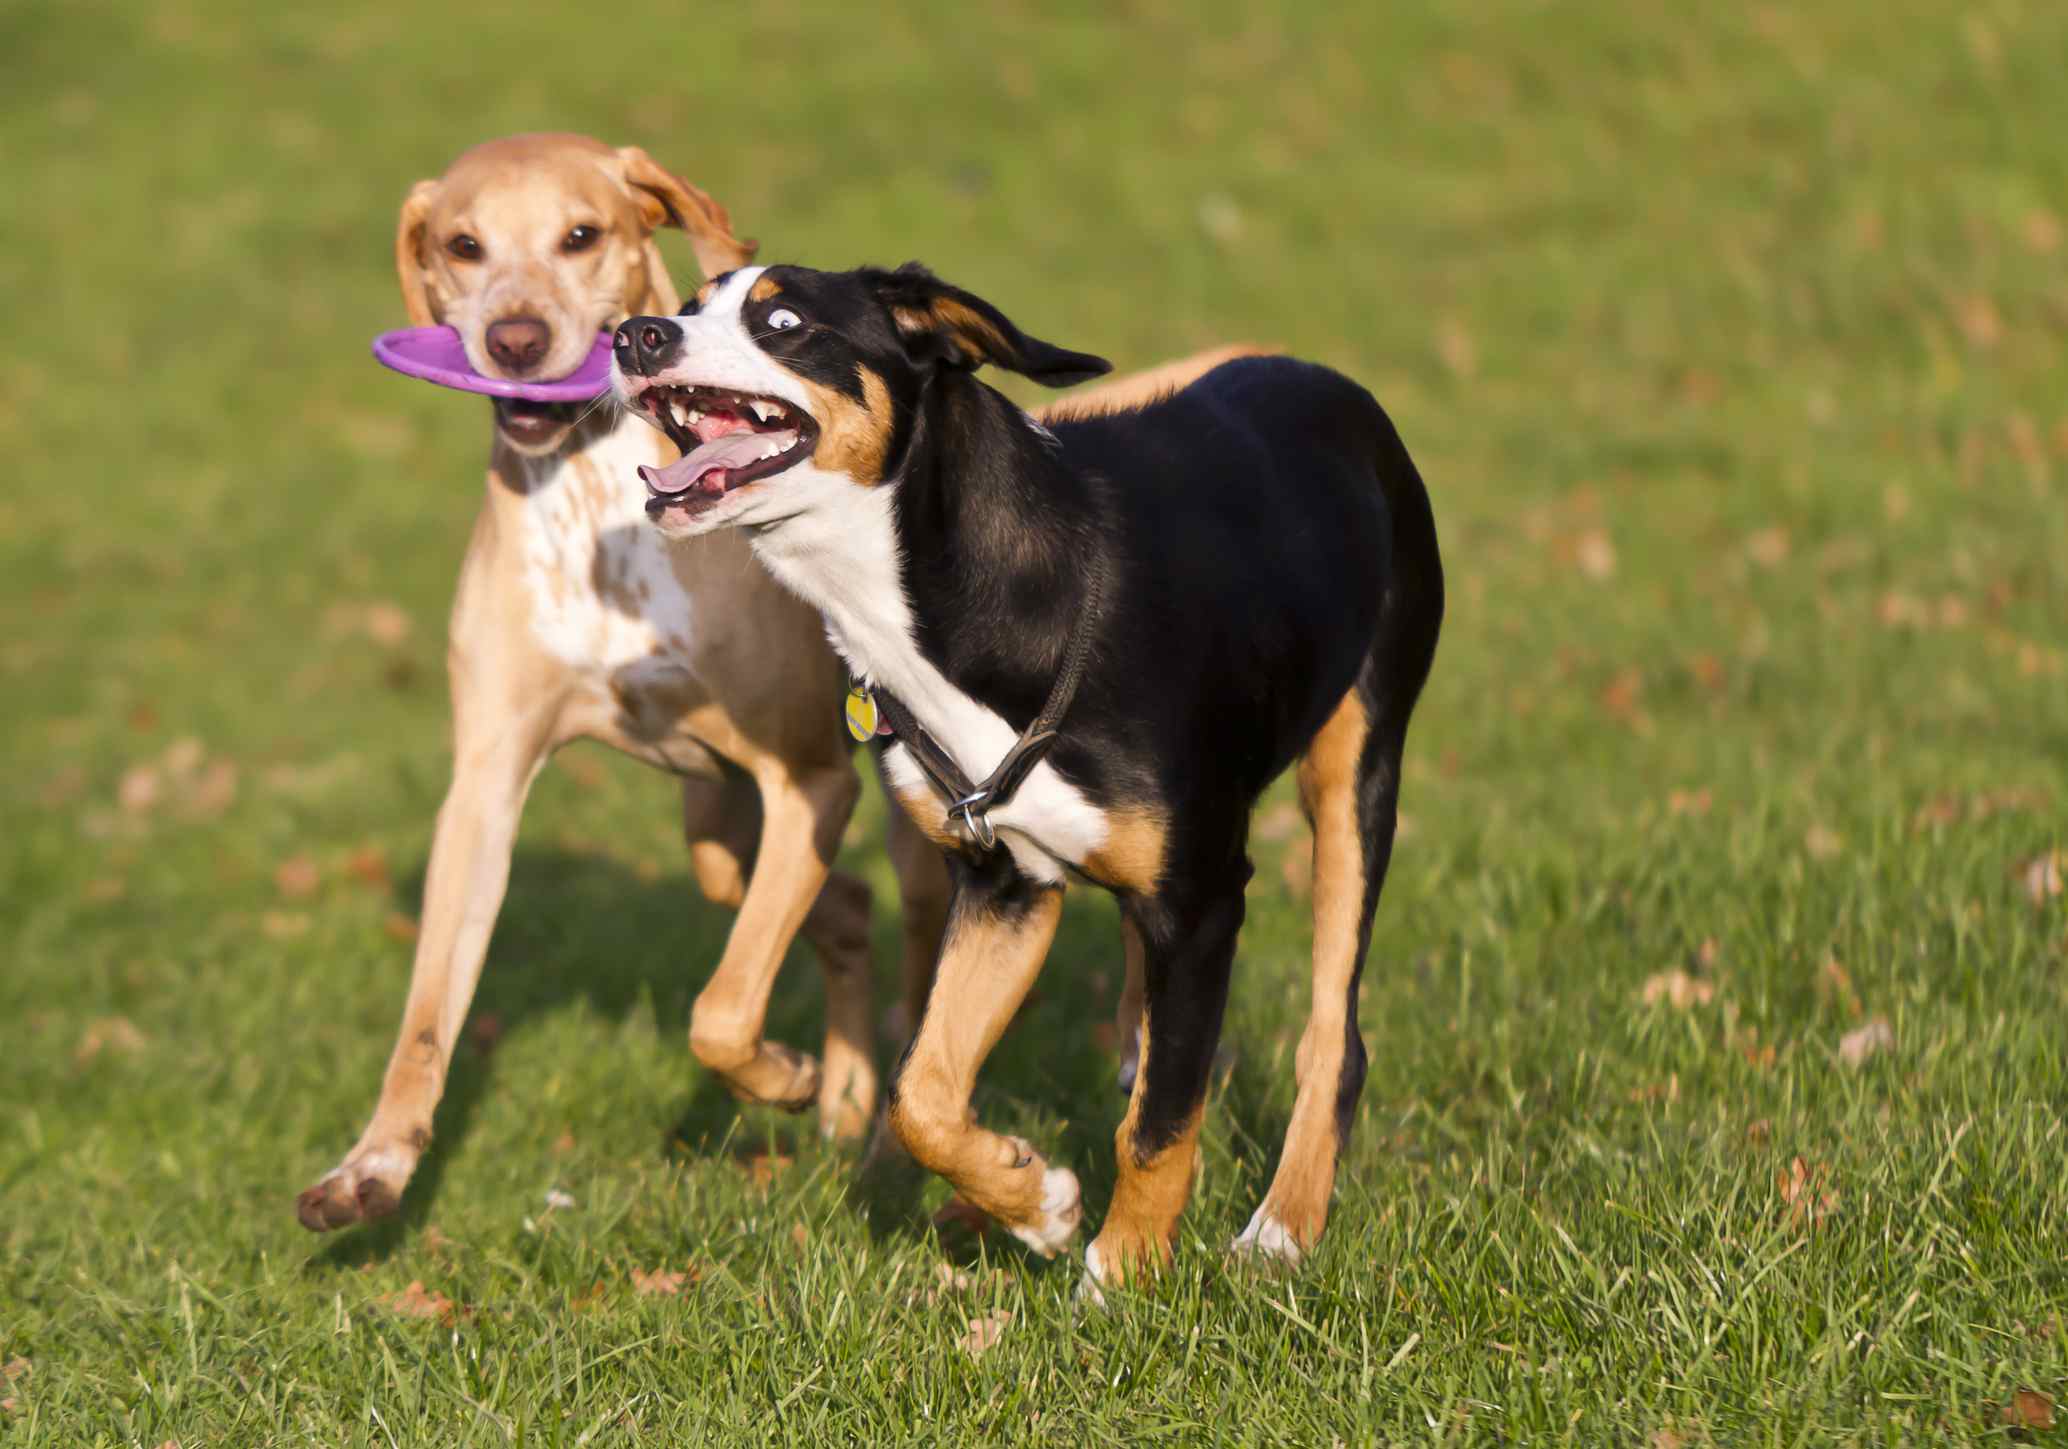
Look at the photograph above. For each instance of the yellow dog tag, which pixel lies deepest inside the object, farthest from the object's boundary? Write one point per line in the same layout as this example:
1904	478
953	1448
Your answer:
861	714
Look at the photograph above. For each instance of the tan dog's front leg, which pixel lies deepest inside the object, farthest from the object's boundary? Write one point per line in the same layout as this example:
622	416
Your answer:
802	818
463	892
999	929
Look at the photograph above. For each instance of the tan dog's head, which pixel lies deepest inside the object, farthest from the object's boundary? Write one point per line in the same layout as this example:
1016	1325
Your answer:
530	245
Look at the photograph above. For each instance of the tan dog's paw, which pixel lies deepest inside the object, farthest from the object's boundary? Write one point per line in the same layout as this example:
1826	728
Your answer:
776	1076
366	1185
847	1099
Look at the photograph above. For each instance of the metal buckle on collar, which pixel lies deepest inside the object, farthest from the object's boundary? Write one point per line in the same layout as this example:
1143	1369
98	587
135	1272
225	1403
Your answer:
975	818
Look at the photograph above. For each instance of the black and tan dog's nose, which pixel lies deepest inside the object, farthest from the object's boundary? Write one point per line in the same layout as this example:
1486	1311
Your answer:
517	343
645	345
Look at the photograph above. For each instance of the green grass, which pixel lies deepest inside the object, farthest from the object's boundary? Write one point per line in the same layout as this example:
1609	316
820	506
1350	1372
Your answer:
1729	339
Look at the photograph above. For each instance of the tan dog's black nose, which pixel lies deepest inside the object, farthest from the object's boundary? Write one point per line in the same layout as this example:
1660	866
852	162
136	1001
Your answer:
517	343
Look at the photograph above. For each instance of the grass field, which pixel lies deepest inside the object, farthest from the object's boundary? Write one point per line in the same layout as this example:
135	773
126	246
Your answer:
1730	341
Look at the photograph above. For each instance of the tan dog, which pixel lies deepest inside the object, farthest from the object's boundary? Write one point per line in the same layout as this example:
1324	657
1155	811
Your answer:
574	618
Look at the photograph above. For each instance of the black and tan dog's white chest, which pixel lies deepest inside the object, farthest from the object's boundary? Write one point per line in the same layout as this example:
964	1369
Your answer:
1234	577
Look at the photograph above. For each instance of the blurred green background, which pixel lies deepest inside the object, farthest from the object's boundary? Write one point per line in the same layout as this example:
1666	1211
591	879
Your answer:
1729	340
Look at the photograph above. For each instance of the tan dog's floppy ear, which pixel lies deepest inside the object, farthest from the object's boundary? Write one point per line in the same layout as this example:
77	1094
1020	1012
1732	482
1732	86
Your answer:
409	252
949	327
665	199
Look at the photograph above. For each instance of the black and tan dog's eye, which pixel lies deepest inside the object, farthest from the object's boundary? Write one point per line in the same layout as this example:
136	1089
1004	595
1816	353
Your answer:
464	247
581	238
783	319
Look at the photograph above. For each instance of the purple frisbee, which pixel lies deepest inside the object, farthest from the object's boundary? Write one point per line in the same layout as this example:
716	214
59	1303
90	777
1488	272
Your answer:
436	355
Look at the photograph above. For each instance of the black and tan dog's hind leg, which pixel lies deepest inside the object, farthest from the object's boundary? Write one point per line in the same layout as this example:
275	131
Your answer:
1350	789
1000	925
1187	935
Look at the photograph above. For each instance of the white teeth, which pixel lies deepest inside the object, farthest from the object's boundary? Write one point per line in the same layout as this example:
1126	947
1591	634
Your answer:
768	412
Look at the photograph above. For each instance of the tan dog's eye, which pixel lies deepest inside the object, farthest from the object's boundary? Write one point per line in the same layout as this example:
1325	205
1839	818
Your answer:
581	239
464	247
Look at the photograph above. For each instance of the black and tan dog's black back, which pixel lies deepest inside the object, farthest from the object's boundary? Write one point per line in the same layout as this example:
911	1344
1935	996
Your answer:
1234	577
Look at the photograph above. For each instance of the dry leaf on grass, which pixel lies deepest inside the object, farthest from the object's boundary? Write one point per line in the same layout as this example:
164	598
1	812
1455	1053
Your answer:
960	1214
1807	1192
2041	877
484	1031
15	1368
563	1144
1834	980
1280	822
117	1033
663	1282
762	1167
386	624
1678	988
1759	1131
1856	1046
1595	553
213	791
1768	547
1665	1439
1454	346
984	1332
1822	842
140	789
297	877
1667	1091
398	927
284	925
1690	802
591	1300
416	1302
2028	1409
368	866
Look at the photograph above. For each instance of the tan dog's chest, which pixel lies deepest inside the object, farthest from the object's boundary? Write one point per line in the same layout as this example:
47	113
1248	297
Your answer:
607	604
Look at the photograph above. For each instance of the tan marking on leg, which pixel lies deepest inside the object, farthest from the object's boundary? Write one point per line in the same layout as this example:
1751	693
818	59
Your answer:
764	287
854	437
1150	1194
1298	1199
1130	858
987	963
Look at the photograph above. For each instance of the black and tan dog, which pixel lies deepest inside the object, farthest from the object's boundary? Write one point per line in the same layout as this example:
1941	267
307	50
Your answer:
1125	626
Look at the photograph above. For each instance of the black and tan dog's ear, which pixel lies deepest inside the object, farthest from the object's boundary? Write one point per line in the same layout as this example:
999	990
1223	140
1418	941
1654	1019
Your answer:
949	326
665	199
409	253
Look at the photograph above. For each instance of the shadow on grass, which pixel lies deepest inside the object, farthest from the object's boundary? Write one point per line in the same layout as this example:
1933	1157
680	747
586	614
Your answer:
584	929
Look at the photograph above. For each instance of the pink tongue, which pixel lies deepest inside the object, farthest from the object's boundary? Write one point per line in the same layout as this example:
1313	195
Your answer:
720	455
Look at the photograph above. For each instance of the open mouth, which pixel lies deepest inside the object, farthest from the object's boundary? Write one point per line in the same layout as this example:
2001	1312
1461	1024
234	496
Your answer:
728	440
533	423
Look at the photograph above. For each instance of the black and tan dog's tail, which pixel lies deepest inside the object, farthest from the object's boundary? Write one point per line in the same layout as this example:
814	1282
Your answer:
1349	782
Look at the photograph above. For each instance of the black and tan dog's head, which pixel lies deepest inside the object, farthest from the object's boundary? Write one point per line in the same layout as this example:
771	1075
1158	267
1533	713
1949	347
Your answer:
787	388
